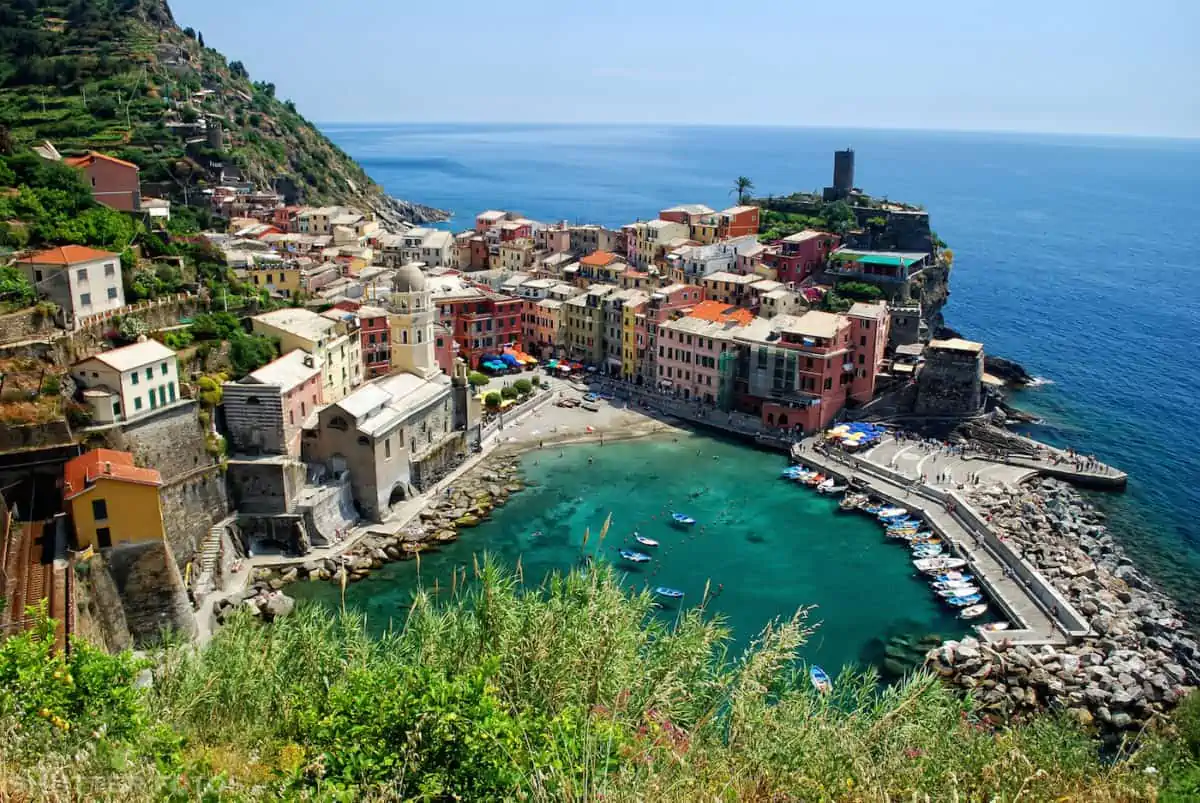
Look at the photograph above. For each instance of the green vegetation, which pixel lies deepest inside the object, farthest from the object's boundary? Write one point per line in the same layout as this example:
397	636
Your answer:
508	392
16	291
247	352
477	380
836	217
742	187
859	291
110	75
523	387
492	400
576	691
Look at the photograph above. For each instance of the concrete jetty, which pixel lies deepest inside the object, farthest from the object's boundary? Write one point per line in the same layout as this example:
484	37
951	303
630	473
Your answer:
1038	613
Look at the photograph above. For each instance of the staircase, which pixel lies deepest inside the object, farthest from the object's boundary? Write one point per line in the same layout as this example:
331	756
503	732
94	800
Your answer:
206	566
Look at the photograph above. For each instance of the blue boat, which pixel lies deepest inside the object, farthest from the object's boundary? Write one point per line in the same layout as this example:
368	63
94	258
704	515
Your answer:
669	593
682	520
955	577
820	679
643	540
962	602
633	555
872	509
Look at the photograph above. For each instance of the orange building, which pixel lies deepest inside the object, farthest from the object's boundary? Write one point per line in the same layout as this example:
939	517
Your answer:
111	500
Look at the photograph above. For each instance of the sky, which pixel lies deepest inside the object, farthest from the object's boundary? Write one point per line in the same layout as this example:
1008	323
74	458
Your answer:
1062	66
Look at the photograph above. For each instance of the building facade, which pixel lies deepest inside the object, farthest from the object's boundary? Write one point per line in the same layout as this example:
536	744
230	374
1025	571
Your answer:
127	383
265	411
82	281
111	501
333	341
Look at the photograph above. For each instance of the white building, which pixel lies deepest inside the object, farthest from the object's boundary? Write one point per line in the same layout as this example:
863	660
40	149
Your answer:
334	343
83	281
126	383
692	263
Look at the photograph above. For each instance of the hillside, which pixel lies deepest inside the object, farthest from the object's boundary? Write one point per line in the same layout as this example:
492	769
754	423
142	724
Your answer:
120	76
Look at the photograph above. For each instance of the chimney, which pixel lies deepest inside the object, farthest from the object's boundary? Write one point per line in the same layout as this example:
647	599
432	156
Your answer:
107	467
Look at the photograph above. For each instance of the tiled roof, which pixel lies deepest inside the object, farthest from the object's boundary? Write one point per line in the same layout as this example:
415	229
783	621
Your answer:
84	161
107	463
598	259
133	356
67	255
720	312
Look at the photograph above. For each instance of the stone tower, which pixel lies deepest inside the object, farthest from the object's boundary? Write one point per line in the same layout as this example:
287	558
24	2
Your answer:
412	316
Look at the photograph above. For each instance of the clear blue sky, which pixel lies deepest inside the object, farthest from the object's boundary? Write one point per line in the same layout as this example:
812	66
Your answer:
1094	66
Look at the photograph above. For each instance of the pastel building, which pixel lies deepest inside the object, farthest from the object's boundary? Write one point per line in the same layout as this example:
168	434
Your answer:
583	324
127	383
692	263
114	182
82	281
111	500
374	334
334	344
732	289
697	355
265	410
799	255
738	221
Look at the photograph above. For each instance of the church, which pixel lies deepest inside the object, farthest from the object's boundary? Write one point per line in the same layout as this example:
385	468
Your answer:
398	435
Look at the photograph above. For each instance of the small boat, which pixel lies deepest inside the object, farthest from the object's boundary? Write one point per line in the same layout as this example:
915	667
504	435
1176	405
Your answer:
669	593
889	513
872	509
830	486
939	586
927	552
927	540
941	563
682	519
643	540
820	680
990	627
813	479
963	602
972	612
852	502
952	577
633	555
960	591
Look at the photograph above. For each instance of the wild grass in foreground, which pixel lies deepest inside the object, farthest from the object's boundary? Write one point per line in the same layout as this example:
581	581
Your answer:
573	692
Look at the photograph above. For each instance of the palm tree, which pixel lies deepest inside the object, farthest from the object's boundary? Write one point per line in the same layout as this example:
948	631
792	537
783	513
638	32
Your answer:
742	187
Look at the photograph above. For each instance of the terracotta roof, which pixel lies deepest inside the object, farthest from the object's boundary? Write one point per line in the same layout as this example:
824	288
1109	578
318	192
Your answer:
106	463
67	255
84	161
720	312
598	259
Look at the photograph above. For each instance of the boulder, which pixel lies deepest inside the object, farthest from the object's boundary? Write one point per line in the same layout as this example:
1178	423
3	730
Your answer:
278	605
290	576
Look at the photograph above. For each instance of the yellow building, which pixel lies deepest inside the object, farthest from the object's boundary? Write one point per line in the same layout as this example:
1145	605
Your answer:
286	282
631	349
516	255
112	501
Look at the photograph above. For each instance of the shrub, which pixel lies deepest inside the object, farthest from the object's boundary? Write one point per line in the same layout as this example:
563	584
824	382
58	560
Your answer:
523	387
508	392
477	380
51	385
859	291
492	400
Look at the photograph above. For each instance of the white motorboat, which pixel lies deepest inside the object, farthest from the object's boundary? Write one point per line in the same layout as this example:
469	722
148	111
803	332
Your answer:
972	612
942	563
830	486
958	591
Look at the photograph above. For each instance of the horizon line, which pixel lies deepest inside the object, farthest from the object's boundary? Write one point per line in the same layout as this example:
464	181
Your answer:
1189	138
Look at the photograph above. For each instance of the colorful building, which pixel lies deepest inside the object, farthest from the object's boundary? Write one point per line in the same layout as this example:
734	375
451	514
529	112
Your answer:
480	320
697	356
799	255
602	267
265	410
731	289
738	221
114	182
82	281
583	324
111	501
691	263
374	334
334	344
516	255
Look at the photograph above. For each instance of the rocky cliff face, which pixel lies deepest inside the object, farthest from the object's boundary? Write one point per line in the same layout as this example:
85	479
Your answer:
934	288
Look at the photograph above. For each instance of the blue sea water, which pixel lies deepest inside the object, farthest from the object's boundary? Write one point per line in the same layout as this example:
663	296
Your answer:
1077	256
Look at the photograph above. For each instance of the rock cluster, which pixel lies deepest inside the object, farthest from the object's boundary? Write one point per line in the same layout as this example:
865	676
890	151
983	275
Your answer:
1139	658
261	599
466	503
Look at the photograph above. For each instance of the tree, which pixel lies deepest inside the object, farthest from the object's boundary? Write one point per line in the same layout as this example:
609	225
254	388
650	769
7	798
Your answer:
492	400
859	291
742	186
200	38
15	287
477	380
238	69
508	392
523	386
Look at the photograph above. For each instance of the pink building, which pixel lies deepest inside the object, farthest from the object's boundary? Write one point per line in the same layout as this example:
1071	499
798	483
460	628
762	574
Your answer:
798	256
485	220
553	239
445	350
697	354
265	411
114	182
803	369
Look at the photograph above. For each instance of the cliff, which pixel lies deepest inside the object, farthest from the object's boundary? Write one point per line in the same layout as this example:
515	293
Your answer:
121	77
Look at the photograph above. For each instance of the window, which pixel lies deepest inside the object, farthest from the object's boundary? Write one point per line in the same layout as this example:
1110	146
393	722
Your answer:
163	368
387	449
153	399
116	409
110	269
104	537
149	373
829	383
112	293
137	402
862	341
133	378
81	274
85	300
99	509
291	413
162	394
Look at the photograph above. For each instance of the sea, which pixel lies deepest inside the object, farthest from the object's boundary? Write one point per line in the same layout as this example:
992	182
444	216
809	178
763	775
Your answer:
1077	256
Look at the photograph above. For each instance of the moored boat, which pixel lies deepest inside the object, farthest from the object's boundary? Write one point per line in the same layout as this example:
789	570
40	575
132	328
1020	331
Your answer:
682	519
813	480
991	627
830	486
950	577
960	591
964	602
820	679
669	593
938	564
972	612
888	513
643	540
633	555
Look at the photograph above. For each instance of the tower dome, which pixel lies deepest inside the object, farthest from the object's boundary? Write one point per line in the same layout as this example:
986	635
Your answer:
408	279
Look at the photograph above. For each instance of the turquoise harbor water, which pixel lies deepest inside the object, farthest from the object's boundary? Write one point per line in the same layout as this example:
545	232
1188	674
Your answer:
770	546
1076	256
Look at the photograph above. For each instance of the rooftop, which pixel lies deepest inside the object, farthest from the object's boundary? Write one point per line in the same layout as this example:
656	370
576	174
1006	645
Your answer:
692	209
127	358
813	323
67	255
957	344
704	327
93	156
85	469
718	311
299	322
895	259
378	406
598	259
286	372
491	214
735	278
738	210
873	310
804	236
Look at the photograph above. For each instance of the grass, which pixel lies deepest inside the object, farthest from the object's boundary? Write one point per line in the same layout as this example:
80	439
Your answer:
573	692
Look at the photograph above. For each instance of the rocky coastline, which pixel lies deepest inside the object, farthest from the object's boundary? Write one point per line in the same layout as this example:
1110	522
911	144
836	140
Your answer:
466	504
1140	658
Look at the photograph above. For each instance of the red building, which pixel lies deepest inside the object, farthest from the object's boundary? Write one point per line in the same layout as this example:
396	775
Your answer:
286	218
480	320
737	221
375	331
114	182
445	350
798	256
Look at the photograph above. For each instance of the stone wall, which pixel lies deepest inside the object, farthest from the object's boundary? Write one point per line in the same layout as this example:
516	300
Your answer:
151	590
34	436
265	487
25	325
101	614
950	383
191	506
